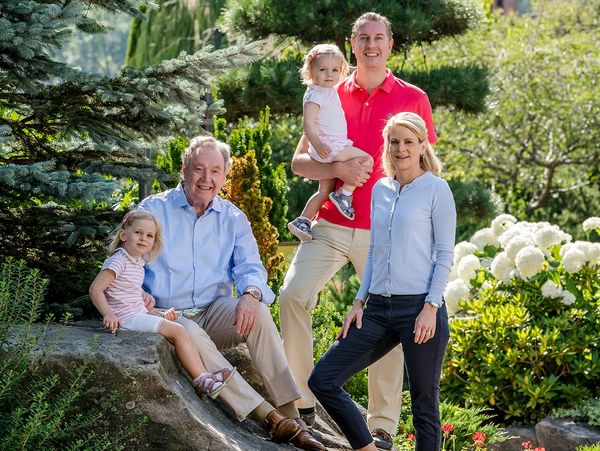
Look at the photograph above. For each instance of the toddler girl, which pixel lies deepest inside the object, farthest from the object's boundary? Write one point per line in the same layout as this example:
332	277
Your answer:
117	294
325	127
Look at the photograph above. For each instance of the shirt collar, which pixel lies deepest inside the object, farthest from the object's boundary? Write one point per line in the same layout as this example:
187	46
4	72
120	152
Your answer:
387	84
139	261
416	182
180	201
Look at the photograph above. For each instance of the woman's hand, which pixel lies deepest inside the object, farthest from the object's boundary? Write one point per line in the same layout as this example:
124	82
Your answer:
425	324
353	315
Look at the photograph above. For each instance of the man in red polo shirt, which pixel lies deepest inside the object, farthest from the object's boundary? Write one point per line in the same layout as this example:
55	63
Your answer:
370	96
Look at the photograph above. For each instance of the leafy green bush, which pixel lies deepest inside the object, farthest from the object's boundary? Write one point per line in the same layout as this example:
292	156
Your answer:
458	427
595	447
39	412
587	411
526	338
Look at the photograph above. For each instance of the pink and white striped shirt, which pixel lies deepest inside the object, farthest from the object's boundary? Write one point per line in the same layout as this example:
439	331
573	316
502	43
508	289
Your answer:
124	295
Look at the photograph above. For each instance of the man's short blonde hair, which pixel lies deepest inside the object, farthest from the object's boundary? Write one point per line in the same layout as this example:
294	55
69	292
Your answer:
375	17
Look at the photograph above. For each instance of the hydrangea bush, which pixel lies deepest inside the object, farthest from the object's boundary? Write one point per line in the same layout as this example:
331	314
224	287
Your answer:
525	336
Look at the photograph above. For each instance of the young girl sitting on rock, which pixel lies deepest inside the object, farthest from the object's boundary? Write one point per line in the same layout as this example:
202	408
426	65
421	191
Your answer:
117	294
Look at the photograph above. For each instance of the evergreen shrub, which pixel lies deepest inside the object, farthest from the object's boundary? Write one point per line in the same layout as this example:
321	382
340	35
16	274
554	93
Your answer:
525	339
39	412
587	411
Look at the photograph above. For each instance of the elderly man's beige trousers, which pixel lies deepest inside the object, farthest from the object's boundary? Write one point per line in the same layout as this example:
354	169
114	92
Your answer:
213	329
313	266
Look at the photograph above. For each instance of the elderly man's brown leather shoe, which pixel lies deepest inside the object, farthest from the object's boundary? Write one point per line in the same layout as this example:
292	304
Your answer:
283	429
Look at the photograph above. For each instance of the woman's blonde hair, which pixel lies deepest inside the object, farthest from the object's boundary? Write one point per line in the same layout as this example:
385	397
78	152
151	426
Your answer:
128	221
331	50
428	162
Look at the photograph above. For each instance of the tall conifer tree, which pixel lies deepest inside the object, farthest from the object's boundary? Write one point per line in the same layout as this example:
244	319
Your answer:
68	137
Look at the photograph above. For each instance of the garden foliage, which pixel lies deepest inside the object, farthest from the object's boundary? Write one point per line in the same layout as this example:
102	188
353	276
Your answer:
184	27
537	145
39	412
461	427
527	303
67	137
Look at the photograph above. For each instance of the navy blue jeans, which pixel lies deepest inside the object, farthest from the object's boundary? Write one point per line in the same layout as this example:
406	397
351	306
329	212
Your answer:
386	322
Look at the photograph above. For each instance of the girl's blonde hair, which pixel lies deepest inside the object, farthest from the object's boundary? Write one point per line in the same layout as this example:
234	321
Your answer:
330	50
128	221
428	162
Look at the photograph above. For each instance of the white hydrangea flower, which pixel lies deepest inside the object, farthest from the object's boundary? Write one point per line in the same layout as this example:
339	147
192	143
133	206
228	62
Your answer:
573	260
486	262
501	223
519	229
467	267
551	290
567	297
463	248
483	238
455	291
530	261
593	253
547	237
501	267
516	244
592	223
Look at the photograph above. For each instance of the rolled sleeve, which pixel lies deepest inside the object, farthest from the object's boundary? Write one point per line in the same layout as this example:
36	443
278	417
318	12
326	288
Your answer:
247	268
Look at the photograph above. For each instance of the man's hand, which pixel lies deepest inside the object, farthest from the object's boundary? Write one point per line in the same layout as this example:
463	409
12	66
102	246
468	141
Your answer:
354	172
111	322
149	300
323	150
354	315
245	313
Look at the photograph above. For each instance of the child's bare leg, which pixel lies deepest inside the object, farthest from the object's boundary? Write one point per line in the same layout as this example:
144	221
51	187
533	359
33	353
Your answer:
348	153
317	200
185	350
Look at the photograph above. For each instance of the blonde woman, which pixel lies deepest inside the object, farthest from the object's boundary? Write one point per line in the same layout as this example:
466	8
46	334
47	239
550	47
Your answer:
413	221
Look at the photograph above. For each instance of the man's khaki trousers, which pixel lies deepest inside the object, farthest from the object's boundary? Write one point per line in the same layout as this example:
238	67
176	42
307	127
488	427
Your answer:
313	266
213	329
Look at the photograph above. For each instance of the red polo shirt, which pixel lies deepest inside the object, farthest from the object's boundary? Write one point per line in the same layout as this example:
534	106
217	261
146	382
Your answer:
366	115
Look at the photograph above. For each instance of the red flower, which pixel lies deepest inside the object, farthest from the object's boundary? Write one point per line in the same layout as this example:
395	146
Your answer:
479	438
447	427
526	445
411	436
539	449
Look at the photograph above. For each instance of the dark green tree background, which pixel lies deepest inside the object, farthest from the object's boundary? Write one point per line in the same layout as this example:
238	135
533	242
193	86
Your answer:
173	27
68	138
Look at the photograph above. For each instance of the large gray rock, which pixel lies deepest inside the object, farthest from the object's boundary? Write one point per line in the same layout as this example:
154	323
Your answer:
556	434
518	434
142	368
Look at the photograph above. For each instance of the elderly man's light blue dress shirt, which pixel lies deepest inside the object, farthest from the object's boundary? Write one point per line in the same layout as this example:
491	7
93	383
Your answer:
203	257
412	238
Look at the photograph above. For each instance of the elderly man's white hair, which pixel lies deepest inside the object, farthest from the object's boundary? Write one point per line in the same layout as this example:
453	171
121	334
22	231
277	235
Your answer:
204	142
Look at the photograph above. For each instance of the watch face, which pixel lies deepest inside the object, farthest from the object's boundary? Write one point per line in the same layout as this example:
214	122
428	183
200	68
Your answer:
254	293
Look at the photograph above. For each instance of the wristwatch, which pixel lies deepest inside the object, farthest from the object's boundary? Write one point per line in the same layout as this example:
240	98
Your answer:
434	303
254	292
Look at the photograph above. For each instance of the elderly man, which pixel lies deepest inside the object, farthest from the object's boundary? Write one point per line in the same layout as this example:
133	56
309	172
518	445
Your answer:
369	97
209	248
